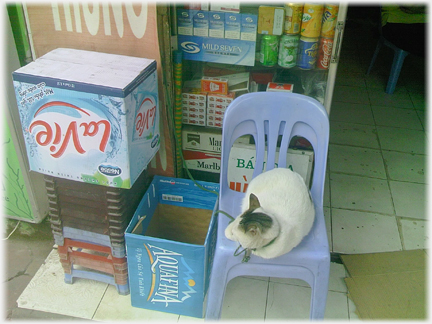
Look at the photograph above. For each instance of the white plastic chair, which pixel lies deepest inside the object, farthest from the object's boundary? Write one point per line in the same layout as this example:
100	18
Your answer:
266	115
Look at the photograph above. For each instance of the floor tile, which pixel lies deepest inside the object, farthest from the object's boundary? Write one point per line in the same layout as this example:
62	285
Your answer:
414	233
327	219
351	79
405	166
360	232
396	117
288	302
326	199
337	306
352	311
49	293
112	306
357	95
351	113
245	299
356	160
402	139
360	193
353	134
398	99
410	199
293	302
336	279
419	100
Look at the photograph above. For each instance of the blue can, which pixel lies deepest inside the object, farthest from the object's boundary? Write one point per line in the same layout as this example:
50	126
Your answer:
307	53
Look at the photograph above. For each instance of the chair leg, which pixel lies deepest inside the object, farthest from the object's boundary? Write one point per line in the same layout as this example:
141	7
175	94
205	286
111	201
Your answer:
216	290
319	292
377	49
398	60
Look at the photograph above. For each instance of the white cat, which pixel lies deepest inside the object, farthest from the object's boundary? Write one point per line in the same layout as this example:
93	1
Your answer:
277	212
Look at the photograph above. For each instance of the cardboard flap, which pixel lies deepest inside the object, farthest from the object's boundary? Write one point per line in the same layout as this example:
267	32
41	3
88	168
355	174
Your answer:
389	285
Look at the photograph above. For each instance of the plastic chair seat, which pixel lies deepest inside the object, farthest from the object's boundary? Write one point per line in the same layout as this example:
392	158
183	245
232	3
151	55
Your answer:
266	116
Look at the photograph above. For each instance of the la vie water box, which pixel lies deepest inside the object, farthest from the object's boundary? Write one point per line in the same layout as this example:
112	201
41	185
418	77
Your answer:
170	245
88	116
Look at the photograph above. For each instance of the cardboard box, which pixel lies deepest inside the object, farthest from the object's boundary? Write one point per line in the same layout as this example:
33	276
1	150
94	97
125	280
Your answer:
228	7
280	87
232	25
185	22
170	244
201	23
208	140
88	116
214	85
217	50
202	161
242	163
216	25
271	20
249	26
388	285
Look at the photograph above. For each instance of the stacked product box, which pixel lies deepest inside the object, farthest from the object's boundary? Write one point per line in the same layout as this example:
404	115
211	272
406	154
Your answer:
202	153
216	106
91	124
216	36
194	107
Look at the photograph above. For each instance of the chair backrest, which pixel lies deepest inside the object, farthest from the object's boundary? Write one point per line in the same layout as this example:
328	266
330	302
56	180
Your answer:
271	117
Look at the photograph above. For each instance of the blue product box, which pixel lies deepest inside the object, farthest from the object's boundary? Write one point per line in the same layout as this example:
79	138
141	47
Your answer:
185	24
170	245
216	24
232	25
201	24
217	50
249	26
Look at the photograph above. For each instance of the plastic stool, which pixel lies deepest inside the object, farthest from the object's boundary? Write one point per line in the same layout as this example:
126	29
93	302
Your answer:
107	268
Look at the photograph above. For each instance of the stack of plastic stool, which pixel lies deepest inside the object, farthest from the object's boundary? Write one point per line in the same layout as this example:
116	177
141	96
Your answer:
88	222
93	261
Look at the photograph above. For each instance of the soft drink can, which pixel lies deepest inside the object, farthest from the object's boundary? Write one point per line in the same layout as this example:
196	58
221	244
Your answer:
312	20
288	48
324	53
269	50
307	53
293	18
329	20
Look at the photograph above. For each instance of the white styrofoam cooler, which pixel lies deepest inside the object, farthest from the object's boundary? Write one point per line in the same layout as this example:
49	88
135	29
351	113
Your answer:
88	116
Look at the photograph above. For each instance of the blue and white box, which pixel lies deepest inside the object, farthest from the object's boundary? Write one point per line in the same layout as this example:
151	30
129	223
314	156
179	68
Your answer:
249	26
88	116
170	245
216	24
185	24
232	25
201	23
217	50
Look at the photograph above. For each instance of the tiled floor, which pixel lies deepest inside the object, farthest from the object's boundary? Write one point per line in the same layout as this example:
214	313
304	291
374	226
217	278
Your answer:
375	190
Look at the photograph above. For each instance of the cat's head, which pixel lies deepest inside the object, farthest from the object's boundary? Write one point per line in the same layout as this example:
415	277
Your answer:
255	228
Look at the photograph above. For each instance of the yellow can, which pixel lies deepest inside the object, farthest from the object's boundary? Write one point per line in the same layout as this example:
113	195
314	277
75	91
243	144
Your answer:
329	20
293	17
312	19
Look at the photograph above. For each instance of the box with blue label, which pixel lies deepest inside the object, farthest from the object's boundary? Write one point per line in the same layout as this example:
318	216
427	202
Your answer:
217	50
170	245
217	37
88	116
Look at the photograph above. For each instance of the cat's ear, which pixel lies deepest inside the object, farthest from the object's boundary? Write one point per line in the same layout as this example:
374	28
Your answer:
253	202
